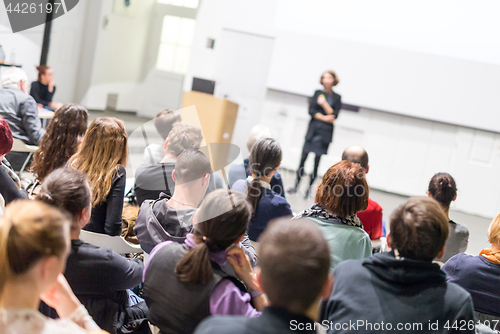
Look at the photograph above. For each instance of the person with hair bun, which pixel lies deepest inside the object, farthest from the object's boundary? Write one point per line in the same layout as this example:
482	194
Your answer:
264	160
99	276
44	88
185	283
103	157
34	245
443	189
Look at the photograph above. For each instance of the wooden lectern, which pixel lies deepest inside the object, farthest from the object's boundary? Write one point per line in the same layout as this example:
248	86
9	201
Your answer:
216	117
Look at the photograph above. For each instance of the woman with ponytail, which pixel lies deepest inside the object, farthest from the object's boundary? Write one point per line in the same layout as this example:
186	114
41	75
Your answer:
443	189
264	160
34	245
185	283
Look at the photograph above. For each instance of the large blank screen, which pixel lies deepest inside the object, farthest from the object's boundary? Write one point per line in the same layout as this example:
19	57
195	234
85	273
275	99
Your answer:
438	60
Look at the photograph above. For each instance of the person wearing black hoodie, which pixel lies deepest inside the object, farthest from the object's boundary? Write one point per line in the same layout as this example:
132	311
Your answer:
401	291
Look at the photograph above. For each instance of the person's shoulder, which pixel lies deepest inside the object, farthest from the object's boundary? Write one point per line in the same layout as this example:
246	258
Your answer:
222	325
456	294
462	260
348	267
240	185
461	229
374	205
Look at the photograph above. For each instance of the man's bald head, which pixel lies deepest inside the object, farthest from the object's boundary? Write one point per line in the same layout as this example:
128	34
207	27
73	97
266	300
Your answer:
356	154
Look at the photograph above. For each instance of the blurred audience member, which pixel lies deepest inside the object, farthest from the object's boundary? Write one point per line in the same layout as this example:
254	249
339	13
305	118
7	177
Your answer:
265	158
187	279
20	111
342	193
294	262
479	275
44	88
372	216
443	189
241	171
103	157
404	287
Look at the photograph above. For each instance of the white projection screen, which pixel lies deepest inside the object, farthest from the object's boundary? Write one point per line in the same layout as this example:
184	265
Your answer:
432	59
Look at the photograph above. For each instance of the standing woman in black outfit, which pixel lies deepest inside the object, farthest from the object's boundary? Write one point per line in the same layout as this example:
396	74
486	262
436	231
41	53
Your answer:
324	109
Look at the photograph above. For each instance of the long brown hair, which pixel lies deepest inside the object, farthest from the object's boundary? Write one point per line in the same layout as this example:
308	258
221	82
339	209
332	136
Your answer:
222	218
103	149
29	232
265	156
61	140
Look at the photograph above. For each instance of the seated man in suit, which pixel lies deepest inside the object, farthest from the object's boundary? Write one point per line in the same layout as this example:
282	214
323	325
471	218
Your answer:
372	216
19	109
241	171
294	261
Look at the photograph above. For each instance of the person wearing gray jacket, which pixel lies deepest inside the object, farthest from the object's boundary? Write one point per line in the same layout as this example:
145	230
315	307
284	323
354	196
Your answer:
19	109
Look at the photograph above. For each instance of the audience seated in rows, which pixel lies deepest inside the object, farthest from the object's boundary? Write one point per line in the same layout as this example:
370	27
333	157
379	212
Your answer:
164	122
342	193
241	171
172	218
479	275
294	264
98	276
20	111
443	189
61	141
151	179
34	247
185	283
265	158
43	89
371	217
403	286
10	185
103	157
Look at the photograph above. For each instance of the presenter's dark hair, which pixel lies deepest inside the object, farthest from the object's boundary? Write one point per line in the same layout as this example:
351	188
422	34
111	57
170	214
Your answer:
333	74
220	221
265	156
419	229
294	259
443	189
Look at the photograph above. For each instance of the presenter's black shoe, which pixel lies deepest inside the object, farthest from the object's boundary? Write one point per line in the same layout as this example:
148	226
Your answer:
291	190
308	192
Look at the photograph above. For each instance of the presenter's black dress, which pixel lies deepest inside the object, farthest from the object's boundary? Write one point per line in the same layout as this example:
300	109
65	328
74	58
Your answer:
319	134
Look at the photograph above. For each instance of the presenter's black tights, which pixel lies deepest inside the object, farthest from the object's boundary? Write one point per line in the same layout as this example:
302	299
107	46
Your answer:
300	171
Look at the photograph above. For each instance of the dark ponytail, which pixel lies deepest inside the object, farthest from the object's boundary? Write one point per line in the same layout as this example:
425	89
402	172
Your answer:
265	156
222	218
443	189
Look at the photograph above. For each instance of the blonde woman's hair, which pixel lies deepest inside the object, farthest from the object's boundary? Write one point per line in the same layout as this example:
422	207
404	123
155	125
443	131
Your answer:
29	232
494	231
103	150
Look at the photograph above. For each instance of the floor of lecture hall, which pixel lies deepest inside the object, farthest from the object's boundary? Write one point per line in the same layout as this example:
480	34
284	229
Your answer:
478	226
